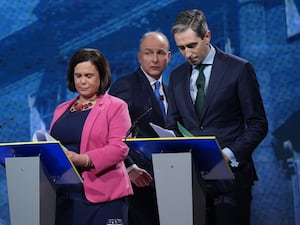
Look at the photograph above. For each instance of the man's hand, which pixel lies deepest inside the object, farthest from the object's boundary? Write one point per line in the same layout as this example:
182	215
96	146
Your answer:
140	177
226	158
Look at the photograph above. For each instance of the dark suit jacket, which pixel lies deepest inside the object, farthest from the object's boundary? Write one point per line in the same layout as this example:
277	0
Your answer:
233	110
136	90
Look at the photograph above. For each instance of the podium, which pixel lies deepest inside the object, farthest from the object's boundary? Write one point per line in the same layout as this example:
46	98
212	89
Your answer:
181	165
34	170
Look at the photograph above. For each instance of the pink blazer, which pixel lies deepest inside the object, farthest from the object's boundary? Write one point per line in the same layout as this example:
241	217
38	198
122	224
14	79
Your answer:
102	134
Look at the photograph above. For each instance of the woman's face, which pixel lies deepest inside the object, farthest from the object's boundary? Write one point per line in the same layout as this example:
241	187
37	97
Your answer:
86	79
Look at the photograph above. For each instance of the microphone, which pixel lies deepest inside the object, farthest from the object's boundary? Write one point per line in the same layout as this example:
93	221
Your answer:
6	122
133	129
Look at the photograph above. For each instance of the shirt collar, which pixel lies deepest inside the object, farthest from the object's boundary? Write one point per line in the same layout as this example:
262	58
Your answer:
151	79
208	60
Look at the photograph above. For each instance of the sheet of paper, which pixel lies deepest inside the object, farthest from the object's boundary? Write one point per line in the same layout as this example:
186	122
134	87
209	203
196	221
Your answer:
41	135
184	131
162	132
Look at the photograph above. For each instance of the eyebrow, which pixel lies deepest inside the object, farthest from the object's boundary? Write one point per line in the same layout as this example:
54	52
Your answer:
153	50
189	45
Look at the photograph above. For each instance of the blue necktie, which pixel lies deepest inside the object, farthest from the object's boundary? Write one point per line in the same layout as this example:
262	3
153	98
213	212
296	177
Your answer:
159	98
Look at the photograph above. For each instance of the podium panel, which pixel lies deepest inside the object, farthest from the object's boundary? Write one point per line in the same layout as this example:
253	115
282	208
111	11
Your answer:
180	197
181	165
33	171
31	196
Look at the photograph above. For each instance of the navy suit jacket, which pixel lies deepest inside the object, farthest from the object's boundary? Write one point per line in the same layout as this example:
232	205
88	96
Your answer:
233	110
136	90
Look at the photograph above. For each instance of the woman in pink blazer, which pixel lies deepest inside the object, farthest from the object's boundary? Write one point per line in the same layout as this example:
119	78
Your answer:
91	126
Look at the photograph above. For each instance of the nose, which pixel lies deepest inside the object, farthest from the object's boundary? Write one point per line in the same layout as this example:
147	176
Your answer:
82	80
155	57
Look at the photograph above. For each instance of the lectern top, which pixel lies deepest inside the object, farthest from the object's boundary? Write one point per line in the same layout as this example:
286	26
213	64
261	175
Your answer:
56	163
205	150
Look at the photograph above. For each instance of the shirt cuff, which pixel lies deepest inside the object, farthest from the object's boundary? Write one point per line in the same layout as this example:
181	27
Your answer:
129	168
230	156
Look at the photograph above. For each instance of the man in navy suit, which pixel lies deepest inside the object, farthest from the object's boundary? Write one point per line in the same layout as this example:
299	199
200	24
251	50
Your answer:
137	89
232	110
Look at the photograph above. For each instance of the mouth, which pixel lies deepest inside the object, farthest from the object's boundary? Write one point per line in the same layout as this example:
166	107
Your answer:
193	61
83	89
154	67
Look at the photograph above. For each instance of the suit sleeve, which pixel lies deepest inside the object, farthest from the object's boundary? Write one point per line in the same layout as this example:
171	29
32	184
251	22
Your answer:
122	89
173	115
253	111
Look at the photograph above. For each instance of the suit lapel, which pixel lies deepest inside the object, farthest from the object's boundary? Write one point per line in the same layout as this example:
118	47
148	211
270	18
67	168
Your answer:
185	82
216	78
90	120
147	91
186	88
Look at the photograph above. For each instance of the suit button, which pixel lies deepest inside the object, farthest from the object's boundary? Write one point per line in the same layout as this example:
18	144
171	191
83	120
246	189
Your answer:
201	128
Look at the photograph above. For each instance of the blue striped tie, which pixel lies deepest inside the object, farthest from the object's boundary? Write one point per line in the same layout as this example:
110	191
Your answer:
159	97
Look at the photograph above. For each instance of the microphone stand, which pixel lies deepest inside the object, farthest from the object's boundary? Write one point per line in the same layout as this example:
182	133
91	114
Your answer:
6	122
134	129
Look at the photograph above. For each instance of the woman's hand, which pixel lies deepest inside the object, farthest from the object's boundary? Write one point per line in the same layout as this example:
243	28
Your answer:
82	160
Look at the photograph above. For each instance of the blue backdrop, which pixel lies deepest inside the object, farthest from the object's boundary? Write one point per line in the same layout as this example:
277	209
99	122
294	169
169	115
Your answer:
37	39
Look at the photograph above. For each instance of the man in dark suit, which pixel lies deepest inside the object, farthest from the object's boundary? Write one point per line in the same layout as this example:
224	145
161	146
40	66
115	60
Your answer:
137	89
231	109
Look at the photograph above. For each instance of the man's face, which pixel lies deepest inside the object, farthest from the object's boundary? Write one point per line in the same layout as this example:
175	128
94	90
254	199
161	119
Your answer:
154	55
192	47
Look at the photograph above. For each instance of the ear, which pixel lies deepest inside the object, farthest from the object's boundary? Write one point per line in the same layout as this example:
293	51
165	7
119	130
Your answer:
207	37
139	56
169	56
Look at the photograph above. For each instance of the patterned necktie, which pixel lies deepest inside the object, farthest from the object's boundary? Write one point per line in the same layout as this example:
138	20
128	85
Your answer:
159	98
200	82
